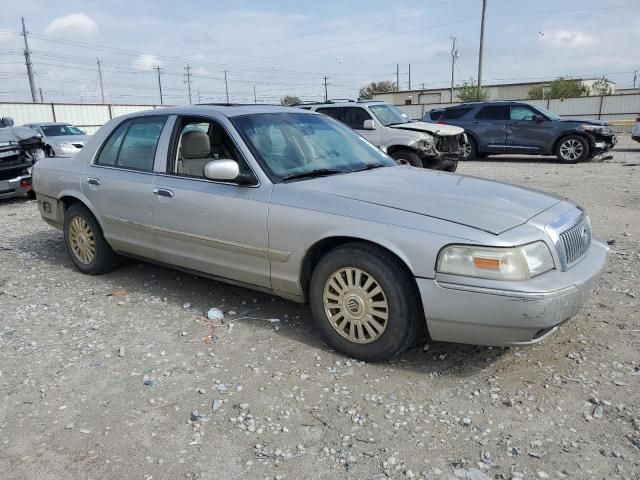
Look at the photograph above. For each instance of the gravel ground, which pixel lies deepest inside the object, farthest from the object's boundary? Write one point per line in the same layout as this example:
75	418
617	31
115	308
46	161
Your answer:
121	376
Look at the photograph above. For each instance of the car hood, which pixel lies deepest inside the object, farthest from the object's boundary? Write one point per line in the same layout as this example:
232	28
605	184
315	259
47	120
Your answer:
486	205
16	134
436	128
69	139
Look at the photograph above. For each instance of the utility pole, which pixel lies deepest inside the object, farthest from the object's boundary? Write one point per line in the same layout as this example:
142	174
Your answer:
27	58
157	69
255	97
454	55
635	78
397	77
326	96
480	52
100	78
409	76
41	96
188	74
226	85
198	93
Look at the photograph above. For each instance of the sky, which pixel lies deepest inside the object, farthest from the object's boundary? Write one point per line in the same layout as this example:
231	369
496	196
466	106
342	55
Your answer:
287	47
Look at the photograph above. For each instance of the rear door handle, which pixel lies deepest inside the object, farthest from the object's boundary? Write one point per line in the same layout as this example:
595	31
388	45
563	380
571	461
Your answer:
93	181
163	192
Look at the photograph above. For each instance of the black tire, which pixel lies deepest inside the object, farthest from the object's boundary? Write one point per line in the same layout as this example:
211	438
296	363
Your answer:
47	151
471	152
447	165
104	259
31	194
404	156
404	312
579	153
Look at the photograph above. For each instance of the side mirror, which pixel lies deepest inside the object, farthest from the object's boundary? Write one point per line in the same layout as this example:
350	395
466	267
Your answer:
538	118
7	122
369	125
224	169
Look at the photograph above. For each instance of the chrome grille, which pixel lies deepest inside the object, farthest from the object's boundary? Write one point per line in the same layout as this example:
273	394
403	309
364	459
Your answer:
575	242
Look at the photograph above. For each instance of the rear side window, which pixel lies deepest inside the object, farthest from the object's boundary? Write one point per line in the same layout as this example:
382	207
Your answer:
455	113
133	144
337	113
494	112
435	115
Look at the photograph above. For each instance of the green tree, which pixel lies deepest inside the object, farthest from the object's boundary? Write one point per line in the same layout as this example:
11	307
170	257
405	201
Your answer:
602	87
536	93
289	100
367	92
567	88
469	92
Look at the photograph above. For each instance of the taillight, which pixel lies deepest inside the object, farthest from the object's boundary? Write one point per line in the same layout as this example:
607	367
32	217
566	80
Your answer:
441	122
25	184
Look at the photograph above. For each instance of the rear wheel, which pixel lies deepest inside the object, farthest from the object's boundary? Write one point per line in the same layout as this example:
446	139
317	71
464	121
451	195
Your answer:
572	149
85	242
407	157
365	302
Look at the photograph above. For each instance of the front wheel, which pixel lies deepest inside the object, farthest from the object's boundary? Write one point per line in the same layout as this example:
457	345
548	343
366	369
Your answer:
85	242
365	302
407	157
572	149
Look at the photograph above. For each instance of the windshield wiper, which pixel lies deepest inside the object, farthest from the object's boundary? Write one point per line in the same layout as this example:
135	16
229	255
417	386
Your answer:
370	166
319	172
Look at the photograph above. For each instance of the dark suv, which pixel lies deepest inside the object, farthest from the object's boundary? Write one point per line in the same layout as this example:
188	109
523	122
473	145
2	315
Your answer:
517	127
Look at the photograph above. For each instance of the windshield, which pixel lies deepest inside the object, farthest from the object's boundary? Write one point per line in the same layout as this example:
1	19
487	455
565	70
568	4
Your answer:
388	114
295	145
60	130
547	113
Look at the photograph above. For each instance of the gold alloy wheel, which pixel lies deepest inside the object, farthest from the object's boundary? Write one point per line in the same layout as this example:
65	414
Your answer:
81	240
355	305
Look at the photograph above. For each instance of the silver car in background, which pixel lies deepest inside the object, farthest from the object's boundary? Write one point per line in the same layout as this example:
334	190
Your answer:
295	203
60	139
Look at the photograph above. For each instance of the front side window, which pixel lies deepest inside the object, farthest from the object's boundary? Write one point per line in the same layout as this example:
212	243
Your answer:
289	145
494	112
60	130
388	114
355	117
520	112
133	144
200	141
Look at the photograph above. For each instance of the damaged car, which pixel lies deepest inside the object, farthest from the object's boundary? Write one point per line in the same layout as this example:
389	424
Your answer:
20	148
506	127
419	144
296	204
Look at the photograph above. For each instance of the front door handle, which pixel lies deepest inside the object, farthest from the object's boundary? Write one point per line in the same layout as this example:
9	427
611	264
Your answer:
93	181
163	192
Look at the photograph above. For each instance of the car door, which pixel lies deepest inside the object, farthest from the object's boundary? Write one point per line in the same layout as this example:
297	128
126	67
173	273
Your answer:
119	184
219	228
528	131
490	128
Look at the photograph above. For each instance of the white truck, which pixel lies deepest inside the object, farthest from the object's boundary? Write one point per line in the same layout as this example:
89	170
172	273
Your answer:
420	144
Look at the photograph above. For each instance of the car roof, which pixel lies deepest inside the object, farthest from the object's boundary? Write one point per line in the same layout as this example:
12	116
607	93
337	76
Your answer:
227	109
45	124
483	104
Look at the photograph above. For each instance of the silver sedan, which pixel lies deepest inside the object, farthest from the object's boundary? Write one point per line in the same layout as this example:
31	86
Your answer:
294	203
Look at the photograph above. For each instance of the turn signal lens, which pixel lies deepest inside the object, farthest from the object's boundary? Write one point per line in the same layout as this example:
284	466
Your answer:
487	263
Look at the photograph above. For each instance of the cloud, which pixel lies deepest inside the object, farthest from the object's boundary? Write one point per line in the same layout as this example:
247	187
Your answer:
75	23
146	62
566	38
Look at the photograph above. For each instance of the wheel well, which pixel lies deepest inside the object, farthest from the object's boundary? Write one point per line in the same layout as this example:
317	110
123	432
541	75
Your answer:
68	200
395	148
570	134
324	246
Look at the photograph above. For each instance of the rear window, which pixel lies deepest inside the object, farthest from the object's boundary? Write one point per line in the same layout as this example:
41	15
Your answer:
494	112
455	113
336	113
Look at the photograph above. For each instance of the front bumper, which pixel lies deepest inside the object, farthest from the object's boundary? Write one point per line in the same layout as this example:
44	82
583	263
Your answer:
602	143
485	316
15	186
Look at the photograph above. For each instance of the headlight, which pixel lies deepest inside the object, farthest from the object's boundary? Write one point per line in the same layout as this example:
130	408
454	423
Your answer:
65	145
591	128
496	263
